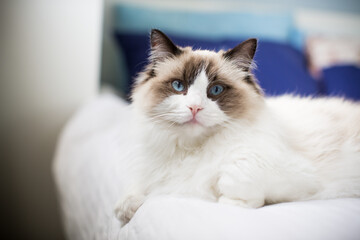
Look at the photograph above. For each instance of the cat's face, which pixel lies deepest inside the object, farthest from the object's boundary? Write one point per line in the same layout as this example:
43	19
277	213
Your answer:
196	91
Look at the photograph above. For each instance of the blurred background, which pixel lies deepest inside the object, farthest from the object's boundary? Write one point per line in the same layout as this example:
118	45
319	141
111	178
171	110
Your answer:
56	55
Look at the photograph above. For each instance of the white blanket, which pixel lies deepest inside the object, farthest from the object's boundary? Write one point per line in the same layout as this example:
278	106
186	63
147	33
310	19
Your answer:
90	170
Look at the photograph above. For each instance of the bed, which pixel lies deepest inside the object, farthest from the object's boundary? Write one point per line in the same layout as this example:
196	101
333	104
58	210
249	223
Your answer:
91	171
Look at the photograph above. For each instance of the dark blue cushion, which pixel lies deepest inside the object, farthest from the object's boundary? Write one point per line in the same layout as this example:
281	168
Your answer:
342	81
281	69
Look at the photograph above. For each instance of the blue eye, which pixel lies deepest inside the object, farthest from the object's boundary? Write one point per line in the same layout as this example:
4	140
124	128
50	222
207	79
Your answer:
178	86
216	90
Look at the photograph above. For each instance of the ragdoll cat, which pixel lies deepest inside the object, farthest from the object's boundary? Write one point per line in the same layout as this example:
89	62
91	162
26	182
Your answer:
207	131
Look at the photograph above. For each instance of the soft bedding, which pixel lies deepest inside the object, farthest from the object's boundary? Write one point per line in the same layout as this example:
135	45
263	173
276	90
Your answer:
91	170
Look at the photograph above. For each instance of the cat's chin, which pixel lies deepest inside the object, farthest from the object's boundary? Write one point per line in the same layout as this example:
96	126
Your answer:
194	128
193	122
191	129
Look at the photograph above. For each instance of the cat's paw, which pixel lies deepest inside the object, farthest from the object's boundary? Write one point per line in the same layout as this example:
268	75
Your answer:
237	190
126	207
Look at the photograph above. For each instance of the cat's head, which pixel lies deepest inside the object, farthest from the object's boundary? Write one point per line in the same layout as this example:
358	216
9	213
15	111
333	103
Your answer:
196	91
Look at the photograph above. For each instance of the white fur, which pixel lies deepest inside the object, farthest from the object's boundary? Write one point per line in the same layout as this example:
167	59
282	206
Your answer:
295	149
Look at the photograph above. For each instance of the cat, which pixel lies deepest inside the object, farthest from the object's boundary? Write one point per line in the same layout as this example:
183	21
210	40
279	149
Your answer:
207	131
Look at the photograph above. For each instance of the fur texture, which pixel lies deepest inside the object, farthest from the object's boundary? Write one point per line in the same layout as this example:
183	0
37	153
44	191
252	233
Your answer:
235	147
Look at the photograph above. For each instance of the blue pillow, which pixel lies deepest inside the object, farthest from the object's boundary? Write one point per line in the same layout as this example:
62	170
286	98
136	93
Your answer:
342	81
281	68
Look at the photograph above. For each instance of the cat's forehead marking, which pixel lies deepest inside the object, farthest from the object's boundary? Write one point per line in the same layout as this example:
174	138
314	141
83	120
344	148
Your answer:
201	82
192	68
195	65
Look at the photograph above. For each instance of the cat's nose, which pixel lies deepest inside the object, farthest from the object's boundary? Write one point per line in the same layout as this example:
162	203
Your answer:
194	109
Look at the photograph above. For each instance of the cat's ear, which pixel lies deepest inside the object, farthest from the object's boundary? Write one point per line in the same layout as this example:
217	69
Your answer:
243	53
161	46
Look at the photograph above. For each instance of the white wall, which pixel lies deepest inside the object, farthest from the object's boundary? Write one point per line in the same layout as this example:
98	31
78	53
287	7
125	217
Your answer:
49	66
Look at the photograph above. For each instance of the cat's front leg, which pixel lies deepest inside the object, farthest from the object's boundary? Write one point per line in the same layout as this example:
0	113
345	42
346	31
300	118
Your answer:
127	206
239	185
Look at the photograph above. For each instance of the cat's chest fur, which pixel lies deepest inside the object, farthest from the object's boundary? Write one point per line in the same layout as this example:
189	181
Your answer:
248	153
175	170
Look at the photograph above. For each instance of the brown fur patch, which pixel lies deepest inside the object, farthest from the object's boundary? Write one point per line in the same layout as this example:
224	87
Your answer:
250	79
149	75
162	90
211	71
192	68
231	100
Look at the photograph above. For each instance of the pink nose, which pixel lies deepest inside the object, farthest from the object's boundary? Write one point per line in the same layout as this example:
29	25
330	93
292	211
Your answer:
194	109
